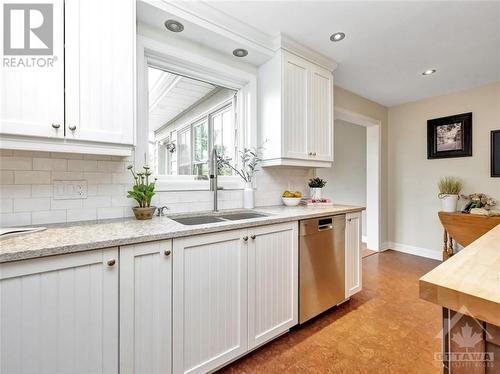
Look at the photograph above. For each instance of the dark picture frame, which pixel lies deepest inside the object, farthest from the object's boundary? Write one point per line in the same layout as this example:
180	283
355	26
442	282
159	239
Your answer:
495	153
449	136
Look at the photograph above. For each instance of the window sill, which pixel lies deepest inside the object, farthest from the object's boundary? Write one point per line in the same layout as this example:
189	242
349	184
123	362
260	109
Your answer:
180	183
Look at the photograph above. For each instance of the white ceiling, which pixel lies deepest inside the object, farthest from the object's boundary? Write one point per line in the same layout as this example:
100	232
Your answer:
389	44
171	94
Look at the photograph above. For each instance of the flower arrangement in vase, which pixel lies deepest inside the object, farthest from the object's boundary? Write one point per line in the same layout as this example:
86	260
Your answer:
250	160
142	191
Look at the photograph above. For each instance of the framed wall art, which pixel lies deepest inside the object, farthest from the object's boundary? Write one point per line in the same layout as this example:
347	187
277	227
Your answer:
449	136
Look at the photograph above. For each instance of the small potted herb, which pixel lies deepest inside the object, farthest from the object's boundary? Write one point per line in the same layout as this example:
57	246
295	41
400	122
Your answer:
316	187
449	190
142	191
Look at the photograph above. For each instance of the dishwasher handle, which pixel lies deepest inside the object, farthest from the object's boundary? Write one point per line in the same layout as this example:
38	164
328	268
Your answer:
325	227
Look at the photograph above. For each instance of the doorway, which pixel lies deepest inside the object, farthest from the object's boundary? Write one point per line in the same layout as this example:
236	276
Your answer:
354	178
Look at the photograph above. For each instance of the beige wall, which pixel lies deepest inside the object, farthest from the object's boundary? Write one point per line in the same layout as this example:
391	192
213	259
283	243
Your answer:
413	202
348	100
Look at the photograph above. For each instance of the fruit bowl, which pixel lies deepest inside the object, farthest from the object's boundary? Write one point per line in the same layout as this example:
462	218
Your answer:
291	201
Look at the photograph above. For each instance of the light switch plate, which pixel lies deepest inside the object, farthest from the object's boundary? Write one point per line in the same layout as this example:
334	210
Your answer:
69	190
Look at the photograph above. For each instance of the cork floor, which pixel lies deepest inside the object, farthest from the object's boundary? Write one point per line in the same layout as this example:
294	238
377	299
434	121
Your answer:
385	328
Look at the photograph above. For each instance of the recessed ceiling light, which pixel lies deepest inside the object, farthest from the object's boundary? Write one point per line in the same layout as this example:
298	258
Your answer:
174	26
429	72
240	52
337	37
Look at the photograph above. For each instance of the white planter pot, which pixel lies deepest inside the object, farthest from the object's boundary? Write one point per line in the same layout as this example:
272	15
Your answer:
316	193
248	196
449	203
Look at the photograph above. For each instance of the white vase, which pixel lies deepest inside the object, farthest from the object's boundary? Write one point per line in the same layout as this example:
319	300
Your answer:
248	196
449	203
316	193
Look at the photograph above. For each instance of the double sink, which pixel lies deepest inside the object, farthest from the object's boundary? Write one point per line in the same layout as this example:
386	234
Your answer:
202	219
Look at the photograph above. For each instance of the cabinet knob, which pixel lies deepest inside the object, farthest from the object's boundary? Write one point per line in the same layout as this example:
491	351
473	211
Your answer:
245	238
314	153
56	125
111	262
253	237
310	153
72	127
167	252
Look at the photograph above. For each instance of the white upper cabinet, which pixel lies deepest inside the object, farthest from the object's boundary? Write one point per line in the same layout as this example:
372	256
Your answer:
100	70
85	100
32	97
296	108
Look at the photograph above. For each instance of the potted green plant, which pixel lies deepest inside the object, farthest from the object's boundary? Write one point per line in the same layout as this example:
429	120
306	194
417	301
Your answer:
316	187
449	190
142	191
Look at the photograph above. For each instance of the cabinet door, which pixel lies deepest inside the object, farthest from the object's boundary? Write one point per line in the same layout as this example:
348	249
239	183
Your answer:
209	300
100	70
32	97
272	281
295	93
145	308
60	314
353	269
320	124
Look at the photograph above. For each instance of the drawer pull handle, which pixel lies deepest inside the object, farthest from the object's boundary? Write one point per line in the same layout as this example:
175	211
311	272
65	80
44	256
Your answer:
111	262
167	252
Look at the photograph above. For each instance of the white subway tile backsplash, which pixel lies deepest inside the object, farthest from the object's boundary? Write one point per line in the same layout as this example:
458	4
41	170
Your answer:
31	205
55	164
42	190
95	178
111	166
15	219
16	163
6	205
66	175
87	214
48	216
108	183
6	177
82	165
65	204
97	201
14	190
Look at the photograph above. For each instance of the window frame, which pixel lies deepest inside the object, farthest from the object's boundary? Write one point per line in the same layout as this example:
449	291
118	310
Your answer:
239	77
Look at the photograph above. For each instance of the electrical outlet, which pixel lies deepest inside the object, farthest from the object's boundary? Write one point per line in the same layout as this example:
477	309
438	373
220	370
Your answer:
68	190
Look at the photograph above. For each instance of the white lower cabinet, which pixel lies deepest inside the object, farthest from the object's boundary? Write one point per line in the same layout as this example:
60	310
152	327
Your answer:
353	254
232	291
60	314
210	300
146	308
272	281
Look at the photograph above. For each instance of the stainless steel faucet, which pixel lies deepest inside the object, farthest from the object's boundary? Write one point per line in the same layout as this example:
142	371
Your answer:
213	171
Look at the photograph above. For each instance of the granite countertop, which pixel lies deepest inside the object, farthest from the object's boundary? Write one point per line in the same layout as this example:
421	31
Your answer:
69	238
469	279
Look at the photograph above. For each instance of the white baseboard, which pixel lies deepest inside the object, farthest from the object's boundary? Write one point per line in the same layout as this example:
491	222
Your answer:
363	238
417	251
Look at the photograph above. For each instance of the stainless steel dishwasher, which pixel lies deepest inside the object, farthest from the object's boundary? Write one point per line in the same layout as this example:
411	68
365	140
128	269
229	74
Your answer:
321	264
